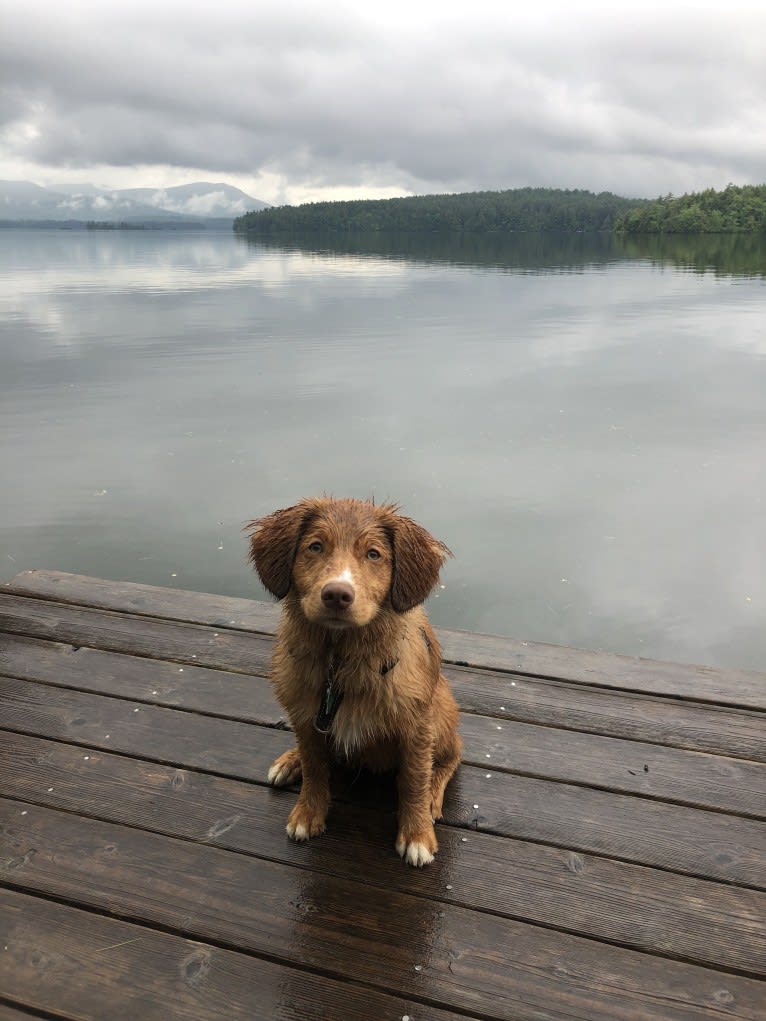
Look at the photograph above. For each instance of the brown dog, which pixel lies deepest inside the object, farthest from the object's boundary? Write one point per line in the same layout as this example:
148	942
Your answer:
356	664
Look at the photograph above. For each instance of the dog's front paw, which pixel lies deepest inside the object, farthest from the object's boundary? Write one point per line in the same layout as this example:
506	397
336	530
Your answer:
304	822
286	769
417	848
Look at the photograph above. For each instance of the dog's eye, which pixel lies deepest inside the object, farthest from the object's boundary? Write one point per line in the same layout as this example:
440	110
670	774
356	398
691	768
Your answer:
315	547
373	554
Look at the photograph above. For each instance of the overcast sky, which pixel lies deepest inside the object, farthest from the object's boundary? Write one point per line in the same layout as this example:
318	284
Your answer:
298	101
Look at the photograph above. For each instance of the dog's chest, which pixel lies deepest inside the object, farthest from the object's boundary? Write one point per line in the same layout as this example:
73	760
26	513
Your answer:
363	739
350	734
364	713
352	699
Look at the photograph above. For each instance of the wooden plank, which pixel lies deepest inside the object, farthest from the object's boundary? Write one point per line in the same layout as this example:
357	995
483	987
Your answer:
439	953
699	683
663	913
120	632
737	733
133	728
633	829
690	778
202	689
9	1013
76	964
240	651
745	688
149	600
652	771
708	844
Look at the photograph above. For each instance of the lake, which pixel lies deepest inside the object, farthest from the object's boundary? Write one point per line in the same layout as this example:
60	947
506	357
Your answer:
582	421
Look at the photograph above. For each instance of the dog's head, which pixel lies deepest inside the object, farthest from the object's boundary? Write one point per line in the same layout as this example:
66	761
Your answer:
344	560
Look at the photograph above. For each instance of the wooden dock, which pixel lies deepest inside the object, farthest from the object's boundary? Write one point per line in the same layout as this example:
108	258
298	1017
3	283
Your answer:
603	855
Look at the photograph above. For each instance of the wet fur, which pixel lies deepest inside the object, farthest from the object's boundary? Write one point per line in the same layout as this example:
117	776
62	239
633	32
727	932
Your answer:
402	718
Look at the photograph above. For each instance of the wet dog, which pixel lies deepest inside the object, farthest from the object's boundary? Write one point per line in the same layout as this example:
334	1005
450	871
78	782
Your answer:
356	664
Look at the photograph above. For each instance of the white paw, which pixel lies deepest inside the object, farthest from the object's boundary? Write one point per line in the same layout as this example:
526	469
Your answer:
415	853
297	832
281	774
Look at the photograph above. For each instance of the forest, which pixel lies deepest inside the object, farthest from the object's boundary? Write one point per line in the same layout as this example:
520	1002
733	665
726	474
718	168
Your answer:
732	210
519	209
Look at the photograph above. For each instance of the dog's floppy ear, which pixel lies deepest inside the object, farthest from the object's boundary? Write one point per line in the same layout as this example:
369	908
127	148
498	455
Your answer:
418	558
273	542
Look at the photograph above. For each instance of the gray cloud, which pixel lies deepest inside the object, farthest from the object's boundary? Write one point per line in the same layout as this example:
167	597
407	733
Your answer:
310	97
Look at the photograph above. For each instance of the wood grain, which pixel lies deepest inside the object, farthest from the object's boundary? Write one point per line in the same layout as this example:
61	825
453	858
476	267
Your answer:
709	923
602	855
554	703
734	732
192	644
210	691
450	956
148	600
709	844
700	683
77	964
9	1013
651	771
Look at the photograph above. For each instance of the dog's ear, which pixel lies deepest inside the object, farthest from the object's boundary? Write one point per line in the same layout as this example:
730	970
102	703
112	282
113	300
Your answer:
418	558
273	542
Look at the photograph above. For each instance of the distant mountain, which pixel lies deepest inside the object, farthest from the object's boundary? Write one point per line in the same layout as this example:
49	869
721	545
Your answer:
22	200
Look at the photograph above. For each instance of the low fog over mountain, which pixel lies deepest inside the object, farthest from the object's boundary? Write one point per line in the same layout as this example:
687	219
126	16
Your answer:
21	200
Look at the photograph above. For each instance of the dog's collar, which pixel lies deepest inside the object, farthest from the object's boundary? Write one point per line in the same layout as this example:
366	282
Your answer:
331	700
332	696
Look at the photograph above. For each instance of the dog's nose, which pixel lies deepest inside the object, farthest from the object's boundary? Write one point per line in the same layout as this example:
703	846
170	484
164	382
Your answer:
337	595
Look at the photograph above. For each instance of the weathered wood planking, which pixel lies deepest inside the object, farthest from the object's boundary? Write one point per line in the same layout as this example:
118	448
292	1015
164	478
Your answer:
148	600
638	829
653	771
607	861
737	733
76	964
637	906
537	659
8	1013
454	957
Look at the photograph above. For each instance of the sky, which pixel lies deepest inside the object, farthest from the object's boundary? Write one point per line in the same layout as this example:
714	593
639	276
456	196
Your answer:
297	101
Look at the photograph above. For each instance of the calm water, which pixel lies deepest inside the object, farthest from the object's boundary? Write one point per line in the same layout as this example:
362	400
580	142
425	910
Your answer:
584	424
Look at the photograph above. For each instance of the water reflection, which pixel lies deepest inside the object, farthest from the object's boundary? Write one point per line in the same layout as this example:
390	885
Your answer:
525	253
580	419
724	254
738	255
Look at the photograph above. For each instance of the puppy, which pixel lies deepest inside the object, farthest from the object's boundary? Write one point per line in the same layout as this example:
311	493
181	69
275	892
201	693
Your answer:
356	664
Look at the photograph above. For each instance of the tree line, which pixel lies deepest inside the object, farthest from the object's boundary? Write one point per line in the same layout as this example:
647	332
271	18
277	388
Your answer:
733	210
519	209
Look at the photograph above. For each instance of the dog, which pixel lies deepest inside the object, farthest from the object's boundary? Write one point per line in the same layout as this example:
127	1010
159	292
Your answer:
356	664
